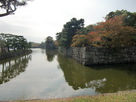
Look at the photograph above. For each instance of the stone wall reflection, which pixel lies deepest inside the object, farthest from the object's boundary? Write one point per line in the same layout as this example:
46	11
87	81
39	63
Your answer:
103	79
9	69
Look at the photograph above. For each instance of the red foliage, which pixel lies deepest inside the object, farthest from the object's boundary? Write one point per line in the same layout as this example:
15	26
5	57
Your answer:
94	37
113	33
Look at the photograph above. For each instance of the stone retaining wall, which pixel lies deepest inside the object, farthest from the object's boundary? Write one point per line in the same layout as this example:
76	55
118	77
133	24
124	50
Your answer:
101	55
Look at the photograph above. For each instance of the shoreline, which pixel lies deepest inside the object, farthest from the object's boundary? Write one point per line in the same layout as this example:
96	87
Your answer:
8	55
120	96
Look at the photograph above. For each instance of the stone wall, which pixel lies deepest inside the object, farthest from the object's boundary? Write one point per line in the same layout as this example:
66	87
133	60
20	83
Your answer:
101	55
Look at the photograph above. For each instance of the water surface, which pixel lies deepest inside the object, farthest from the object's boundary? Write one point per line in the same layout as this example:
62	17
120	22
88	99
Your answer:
47	74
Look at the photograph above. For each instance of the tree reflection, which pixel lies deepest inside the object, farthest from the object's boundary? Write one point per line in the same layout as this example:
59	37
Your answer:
51	54
12	68
106	80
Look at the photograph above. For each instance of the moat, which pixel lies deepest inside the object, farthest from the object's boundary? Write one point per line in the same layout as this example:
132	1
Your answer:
48	74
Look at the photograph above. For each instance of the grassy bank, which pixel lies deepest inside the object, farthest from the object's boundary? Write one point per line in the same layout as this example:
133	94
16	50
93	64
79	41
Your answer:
127	96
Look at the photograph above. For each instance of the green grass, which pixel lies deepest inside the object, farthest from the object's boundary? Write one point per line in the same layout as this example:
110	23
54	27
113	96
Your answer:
128	96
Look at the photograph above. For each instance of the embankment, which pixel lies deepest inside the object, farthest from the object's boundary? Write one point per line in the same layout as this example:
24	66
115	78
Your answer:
127	96
7	55
101	55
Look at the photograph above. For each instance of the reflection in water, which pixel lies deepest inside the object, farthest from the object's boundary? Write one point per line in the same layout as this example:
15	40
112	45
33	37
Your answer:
96	83
51	54
59	78
106	79
12	68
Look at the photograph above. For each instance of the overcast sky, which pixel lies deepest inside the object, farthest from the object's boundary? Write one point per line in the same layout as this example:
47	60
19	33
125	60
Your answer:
42	18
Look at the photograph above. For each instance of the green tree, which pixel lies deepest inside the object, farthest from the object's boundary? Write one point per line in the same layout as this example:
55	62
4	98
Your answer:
8	38
42	45
85	30
29	45
49	43
61	39
22	43
2	42
10	6
15	42
68	31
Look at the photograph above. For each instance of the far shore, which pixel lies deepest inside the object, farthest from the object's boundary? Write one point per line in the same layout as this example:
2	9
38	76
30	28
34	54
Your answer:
8	55
121	96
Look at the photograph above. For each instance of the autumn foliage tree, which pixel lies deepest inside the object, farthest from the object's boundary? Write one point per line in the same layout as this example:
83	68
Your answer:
129	18
80	41
90	39
111	33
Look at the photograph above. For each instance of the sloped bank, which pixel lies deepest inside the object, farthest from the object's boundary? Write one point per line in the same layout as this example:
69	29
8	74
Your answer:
101	55
7	55
124	96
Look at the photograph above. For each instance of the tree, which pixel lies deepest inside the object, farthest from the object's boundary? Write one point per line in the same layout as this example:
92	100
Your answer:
42	45
8	39
113	33
29	45
85	30
10	6
22	43
68	31
15	42
2	43
80	41
49	43
128	20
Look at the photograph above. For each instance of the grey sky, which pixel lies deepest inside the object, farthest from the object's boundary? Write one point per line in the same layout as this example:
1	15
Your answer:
42	18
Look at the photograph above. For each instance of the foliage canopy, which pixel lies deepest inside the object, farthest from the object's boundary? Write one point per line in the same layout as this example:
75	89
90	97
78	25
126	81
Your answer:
119	29
49	43
14	42
69	30
128	20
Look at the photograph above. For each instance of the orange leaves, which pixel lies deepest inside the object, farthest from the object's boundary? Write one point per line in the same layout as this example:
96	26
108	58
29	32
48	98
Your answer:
80	41
85	40
111	33
94	37
112	24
